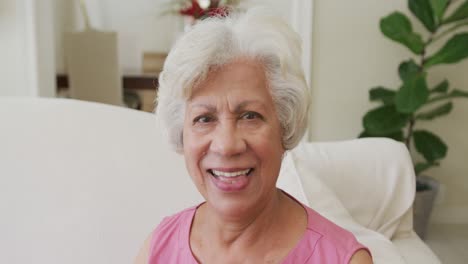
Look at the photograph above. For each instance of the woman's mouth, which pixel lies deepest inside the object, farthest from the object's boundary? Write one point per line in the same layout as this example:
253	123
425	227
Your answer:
230	180
230	174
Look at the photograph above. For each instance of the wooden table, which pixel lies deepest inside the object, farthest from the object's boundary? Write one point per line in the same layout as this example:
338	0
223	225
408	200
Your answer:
130	81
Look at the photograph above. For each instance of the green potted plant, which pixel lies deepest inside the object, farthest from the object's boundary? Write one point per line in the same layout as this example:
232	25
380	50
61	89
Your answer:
400	110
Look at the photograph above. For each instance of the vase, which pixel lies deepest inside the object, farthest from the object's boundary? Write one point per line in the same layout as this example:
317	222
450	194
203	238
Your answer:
423	205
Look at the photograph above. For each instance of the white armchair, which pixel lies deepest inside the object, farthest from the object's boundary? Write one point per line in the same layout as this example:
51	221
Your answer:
85	183
367	186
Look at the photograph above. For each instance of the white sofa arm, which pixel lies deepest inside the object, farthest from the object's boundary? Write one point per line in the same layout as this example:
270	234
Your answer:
414	250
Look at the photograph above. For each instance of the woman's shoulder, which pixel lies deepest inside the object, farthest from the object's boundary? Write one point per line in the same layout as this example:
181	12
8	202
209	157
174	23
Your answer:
330	238
172	221
170	225
326	228
168	234
163	240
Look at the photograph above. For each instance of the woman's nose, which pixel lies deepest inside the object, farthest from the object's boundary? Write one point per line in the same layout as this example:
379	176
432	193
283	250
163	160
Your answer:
227	140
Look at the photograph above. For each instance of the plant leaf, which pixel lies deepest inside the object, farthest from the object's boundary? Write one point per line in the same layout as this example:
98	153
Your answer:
398	136
429	145
438	8
382	94
436	112
422	166
408	69
459	93
459	14
412	95
442	87
423	11
453	94
397	27
455	50
384	120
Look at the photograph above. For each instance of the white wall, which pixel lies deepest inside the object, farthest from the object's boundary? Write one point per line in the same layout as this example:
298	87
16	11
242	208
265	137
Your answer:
350	56
27	48
14	79
44	46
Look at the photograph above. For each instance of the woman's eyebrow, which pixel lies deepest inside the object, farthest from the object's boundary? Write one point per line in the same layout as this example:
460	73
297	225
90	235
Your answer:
208	107
237	109
241	106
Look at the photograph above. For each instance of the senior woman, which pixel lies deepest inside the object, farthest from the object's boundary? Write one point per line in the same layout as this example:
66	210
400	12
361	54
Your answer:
233	98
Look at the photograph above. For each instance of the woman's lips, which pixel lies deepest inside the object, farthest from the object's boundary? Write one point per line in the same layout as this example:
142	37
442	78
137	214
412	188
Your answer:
230	180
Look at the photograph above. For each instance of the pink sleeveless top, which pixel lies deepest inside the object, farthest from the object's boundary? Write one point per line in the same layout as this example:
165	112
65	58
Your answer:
322	242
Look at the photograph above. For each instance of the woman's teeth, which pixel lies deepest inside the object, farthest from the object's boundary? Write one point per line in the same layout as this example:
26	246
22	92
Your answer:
230	174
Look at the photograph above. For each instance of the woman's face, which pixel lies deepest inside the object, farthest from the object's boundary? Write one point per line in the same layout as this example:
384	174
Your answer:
232	139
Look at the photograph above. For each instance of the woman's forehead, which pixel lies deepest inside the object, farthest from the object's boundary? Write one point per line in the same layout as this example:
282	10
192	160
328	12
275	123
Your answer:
212	105
235	77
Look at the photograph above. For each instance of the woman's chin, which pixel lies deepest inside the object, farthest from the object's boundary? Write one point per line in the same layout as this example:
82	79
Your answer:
233	198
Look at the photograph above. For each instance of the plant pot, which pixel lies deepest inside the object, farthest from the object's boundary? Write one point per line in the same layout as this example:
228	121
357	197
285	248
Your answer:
423	204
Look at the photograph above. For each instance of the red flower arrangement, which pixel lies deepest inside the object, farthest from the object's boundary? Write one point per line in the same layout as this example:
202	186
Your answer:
193	8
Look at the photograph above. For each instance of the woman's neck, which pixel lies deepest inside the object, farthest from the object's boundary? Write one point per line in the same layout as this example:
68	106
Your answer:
246	230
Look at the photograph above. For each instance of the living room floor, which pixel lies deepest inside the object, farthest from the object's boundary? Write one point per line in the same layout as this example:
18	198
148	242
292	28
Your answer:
449	242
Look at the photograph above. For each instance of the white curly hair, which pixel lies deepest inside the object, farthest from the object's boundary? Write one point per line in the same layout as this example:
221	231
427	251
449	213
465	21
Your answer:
256	34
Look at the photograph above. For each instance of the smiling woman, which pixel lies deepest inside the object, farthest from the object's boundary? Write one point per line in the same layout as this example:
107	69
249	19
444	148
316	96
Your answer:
232	139
233	98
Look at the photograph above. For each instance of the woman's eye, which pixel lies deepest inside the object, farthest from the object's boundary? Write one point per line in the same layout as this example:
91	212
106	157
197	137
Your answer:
203	119
251	115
